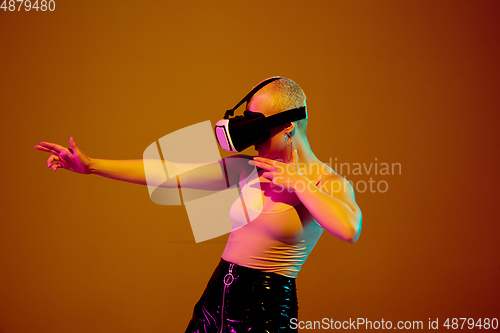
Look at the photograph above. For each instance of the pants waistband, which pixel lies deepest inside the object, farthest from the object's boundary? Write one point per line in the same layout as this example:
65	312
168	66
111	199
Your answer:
243	271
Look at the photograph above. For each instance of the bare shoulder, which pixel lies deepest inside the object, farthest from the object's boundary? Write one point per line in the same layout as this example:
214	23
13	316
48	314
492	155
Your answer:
322	171
242	156
237	161
333	182
237	165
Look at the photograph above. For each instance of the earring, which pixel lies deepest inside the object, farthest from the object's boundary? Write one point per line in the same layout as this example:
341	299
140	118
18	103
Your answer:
288	139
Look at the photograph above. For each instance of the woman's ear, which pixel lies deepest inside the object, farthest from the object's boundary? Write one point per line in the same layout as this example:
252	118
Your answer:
290	128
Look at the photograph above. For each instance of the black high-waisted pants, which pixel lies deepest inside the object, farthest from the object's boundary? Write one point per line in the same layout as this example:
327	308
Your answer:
240	299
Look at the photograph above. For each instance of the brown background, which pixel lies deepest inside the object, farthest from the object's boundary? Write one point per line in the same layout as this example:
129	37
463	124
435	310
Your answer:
409	82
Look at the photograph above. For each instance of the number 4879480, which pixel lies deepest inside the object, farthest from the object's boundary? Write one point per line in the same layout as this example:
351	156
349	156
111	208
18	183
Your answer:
27	5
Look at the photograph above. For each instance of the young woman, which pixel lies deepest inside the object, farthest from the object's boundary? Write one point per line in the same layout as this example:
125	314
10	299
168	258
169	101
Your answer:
293	197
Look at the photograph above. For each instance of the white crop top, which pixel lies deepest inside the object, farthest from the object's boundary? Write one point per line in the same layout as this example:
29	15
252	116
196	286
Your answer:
281	233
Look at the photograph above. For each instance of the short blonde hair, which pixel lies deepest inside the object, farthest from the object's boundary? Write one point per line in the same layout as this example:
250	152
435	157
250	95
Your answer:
284	94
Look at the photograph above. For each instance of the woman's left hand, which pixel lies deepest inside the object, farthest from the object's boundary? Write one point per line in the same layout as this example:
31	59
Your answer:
280	174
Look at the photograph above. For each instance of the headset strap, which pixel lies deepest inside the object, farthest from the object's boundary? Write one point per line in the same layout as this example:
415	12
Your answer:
287	116
249	95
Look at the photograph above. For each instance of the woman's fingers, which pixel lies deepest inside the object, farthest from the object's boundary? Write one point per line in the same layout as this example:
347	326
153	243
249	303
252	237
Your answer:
53	146
267	160
73	145
48	150
52	160
58	149
261	165
54	149
268	175
59	164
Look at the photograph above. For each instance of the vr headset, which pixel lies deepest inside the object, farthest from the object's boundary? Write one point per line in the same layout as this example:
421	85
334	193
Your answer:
238	133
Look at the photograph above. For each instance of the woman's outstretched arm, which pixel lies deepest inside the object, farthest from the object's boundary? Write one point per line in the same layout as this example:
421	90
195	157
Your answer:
215	175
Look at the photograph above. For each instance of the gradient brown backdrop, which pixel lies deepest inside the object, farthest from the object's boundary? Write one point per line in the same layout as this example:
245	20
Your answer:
409	82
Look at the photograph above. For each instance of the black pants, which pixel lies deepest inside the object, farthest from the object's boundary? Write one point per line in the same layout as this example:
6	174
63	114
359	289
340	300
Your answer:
241	299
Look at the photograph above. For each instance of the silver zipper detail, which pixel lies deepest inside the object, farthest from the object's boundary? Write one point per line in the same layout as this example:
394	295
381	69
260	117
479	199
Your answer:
228	279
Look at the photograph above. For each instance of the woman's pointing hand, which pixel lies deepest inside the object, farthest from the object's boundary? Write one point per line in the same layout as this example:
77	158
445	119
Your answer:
72	159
